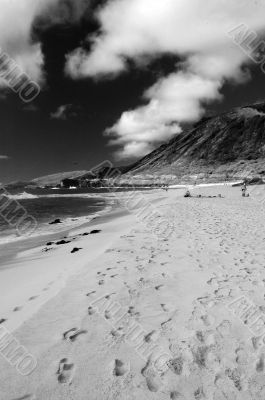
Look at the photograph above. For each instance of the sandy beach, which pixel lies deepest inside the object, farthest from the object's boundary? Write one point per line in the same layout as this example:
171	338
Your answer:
135	315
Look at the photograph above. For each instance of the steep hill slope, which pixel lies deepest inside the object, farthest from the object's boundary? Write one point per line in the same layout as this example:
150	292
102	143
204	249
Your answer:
223	146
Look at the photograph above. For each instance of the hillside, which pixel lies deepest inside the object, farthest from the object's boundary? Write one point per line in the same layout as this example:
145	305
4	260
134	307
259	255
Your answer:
55	179
223	147
219	147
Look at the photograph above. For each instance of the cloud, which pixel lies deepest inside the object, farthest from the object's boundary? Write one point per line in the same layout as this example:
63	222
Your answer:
195	32
63	12
137	28
17	19
4	158
133	148
172	100
64	112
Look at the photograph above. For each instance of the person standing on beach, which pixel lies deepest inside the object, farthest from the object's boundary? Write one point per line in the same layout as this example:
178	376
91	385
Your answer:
244	189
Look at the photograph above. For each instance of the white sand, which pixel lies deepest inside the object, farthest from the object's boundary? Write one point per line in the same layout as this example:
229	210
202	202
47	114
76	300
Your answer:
177	290
39	275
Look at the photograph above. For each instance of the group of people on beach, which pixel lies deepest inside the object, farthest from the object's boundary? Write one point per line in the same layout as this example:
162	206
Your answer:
243	190
199	196
188	193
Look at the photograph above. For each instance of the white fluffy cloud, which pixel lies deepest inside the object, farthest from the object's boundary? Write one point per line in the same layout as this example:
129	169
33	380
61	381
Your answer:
195	31
16	20
172	100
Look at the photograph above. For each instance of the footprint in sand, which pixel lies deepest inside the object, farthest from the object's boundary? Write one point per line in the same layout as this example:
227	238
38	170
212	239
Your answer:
101	282
208	320
17	309
224	328
235	376
158	287
108	296
242	357
117	333
107	314
153	380
260	364
212	281
199	394
199	336
65	371
164	307
69	332
164	324
132	312
91	310
120	368
33	298
200	356
152	336
256	342
90	293
73	334
77	334
176	365
176	396
2	320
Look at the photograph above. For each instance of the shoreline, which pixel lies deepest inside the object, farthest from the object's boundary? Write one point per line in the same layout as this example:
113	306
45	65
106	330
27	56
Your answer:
45	228
42	271
46	269
14	245
10	249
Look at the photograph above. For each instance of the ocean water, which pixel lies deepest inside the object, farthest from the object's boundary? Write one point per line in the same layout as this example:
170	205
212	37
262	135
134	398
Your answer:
70	209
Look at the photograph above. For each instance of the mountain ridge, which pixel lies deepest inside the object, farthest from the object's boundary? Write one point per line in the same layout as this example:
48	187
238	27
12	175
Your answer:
230	143
220	147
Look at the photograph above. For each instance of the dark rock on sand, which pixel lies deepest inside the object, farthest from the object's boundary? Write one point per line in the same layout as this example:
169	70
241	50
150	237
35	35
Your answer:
91	233
56	221
63	242
75	249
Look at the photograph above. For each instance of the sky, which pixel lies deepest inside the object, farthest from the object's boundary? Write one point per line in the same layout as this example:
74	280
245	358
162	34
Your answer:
117	78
